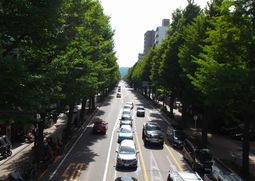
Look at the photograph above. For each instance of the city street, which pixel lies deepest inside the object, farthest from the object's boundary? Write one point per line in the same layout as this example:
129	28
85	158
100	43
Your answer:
93	157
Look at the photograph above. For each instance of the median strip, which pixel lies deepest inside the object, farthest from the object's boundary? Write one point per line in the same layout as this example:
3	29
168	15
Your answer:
141	159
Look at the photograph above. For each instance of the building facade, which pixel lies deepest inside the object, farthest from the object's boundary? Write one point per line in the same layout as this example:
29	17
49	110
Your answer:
161	31
149	38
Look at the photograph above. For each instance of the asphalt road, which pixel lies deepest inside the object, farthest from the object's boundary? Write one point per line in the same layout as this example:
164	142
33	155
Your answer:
93	157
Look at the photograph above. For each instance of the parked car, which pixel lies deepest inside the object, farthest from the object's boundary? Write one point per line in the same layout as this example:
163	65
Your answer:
152	133
176	136
125	132
185	176
198	156
140	111
127	154
99	126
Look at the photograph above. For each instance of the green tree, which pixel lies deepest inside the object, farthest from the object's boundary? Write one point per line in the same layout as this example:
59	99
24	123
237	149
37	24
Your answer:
226	72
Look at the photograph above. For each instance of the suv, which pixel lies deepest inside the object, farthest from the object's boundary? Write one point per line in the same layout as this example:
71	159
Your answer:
127	154
152	134
198	157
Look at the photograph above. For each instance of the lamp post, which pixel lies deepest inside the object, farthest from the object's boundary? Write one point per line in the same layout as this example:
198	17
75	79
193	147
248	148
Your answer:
195	117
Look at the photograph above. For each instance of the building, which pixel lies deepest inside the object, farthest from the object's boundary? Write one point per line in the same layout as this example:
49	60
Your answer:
140	56
161	31
149	38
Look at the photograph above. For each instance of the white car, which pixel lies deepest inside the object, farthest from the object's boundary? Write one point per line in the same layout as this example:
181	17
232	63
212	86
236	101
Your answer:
127	154
182	175
125	132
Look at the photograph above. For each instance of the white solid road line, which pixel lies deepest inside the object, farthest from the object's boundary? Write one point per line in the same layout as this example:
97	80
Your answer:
70	150
109	151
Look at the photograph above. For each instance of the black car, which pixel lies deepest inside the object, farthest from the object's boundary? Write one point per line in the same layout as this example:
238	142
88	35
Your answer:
198	156
176	136
140	111
152	133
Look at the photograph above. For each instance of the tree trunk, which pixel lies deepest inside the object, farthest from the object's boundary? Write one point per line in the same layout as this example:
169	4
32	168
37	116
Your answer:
69	121
204	118
38	144
83	108
171	105
92	100
246	149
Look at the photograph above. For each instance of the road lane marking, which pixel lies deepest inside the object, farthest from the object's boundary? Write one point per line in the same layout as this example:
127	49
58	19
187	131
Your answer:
141	158
172	166
109	151
71	149
77	172
65	174
154	167
175	160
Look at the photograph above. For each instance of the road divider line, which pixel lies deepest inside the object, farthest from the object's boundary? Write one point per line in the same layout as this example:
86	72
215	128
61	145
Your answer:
72	147
109	152
175	160
141	158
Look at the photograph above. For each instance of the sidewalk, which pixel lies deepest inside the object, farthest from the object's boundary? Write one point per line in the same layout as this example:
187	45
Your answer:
224	149
22	153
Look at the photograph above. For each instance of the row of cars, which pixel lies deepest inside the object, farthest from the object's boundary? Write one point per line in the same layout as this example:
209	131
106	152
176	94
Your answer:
126	152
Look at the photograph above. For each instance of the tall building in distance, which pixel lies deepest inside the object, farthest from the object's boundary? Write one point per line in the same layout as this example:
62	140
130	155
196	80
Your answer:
140	56
161	31
154	38
149	38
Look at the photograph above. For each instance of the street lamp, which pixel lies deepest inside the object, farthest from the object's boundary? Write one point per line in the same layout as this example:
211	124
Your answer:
195	117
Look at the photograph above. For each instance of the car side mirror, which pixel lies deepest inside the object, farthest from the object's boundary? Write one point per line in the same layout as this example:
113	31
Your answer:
137	152
117	151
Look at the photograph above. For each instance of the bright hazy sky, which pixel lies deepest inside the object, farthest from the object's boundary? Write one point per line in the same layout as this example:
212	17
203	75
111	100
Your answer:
130	19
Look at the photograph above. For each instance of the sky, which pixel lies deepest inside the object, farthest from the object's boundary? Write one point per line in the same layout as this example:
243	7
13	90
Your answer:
130	19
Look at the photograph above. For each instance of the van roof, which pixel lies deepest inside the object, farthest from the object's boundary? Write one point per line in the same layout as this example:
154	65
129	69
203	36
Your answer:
185	176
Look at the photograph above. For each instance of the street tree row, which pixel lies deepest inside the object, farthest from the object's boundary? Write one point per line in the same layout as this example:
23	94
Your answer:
207	61
53	55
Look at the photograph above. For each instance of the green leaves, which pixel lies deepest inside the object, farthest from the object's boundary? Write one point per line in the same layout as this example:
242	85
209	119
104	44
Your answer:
54	52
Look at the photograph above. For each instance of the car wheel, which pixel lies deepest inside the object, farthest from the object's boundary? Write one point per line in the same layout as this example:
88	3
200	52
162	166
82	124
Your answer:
146	143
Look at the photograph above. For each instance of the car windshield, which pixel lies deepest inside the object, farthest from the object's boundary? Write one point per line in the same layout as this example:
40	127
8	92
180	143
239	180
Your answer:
125	130
127	150
140	109
153	127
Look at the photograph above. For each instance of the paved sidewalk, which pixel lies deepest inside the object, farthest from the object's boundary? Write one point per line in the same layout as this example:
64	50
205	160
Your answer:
21	153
